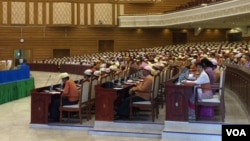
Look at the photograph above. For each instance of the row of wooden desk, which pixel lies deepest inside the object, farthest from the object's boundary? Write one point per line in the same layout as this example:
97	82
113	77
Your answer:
176	102
177	97
106	99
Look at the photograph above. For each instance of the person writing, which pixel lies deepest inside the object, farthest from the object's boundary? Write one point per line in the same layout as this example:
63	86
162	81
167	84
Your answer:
140	92
70	96
204	90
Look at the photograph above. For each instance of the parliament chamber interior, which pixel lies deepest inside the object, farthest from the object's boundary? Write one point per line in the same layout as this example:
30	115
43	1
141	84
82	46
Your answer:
110	49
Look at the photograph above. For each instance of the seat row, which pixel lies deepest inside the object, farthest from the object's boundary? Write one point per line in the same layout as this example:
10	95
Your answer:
87	94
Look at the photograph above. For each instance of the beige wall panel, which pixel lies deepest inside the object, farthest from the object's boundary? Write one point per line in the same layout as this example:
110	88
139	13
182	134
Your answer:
116	14
62	13
18	12
82	14
103	14
5	13
31	13
89	14
75	14
47	13
40	13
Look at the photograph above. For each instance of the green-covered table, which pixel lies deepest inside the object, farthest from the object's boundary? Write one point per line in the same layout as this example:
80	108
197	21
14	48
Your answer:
16	90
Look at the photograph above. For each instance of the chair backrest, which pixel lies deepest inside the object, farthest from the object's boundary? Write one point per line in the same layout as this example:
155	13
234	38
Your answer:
94	82
161	76
103	79
164	76
156	84
108	78
116	75
85	91
127	71
168	73
222	81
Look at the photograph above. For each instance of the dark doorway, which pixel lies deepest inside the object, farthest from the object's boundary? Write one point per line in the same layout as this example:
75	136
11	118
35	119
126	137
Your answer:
60	53
105	46
179	37
234	37
23	54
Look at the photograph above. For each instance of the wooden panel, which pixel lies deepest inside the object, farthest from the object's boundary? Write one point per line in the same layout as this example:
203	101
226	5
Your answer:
237	80
39	107
41	41
177	97
159	7
104	103
208	35
6	53
41	53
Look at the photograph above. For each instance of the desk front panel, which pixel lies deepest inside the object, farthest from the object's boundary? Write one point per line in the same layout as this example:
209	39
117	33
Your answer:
40	107
177	97
106	99
40	103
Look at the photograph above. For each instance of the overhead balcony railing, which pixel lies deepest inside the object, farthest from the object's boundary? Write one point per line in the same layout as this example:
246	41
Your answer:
225	9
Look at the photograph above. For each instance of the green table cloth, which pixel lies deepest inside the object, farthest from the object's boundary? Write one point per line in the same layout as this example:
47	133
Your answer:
16	90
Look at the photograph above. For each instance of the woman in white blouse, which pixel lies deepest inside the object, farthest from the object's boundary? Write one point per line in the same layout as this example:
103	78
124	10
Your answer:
204	88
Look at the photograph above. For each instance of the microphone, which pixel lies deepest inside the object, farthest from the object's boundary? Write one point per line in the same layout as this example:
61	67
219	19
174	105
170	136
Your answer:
77	79
47	80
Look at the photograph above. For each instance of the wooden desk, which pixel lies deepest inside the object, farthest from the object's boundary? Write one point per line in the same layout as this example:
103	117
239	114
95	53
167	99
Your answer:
40	102
177	97
106	99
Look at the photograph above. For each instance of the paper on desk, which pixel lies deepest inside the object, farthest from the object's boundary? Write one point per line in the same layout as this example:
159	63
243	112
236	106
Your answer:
55	92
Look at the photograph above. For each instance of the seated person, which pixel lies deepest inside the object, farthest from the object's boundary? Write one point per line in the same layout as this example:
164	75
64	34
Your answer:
209	69
217	75
204	92
140	92
184	74
87	74
123	71
70	96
